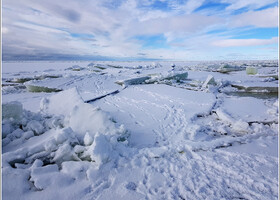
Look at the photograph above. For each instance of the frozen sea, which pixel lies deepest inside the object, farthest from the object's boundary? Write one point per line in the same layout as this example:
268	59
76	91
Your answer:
140	130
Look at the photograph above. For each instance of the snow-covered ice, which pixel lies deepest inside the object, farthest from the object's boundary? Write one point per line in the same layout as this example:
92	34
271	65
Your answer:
140	130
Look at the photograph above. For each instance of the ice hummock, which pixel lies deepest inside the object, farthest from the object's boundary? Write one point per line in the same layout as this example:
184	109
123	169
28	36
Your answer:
56	142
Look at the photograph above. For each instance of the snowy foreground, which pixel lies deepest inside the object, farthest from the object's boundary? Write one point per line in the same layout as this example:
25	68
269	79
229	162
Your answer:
140	130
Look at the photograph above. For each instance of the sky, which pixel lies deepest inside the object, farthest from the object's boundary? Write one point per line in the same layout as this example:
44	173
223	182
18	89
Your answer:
180	30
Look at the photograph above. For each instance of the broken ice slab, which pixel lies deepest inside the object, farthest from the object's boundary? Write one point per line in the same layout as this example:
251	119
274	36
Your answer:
94	67
264	88
19	80
133	81
177	76
13	110
275	76
75	68
247	109
229	68
35	89
258	95
155	65
209	81
251	70
45	76
152	78
167	76
25	79
115	66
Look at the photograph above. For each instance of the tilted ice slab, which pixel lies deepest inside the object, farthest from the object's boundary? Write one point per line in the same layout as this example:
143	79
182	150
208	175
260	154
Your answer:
247	109
90	86
257	86
156	114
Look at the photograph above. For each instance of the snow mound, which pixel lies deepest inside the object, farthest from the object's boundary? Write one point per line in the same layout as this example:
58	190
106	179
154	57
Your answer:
101	150
86	118
58	104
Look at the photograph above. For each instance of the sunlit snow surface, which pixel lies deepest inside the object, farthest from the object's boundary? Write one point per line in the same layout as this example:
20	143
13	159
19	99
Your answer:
140	130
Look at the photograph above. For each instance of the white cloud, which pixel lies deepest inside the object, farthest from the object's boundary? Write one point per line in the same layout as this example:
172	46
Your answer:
244	42
262	18
251	4
185	24
48	27
187	7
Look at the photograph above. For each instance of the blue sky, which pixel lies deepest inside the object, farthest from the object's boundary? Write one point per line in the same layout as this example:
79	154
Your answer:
140	30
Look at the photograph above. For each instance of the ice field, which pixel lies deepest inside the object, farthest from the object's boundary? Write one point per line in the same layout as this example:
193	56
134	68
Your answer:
140	130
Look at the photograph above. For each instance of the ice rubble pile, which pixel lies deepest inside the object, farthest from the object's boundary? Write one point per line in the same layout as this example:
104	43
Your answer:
66	129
